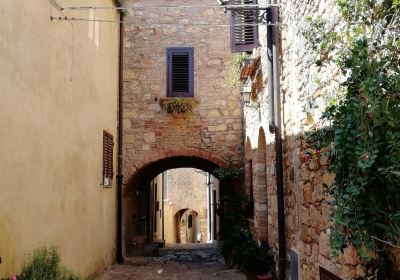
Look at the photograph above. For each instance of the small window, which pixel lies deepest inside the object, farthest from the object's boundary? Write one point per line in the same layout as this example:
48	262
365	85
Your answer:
108	149
244	29
190	221
180	72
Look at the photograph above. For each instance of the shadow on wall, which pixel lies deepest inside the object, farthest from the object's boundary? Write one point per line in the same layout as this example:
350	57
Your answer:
307	183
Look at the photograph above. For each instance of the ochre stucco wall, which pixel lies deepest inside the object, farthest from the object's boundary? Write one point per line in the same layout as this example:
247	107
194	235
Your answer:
59	90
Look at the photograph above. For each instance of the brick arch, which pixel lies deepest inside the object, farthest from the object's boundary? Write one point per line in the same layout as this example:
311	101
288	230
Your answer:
248	150
260	187
262	145
156	163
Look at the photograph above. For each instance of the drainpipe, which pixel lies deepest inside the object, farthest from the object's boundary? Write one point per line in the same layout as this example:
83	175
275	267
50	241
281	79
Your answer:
120	258
210	230
278	146
271	119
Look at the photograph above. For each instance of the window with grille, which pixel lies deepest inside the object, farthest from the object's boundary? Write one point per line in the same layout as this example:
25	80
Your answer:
244	29
180	72
108	149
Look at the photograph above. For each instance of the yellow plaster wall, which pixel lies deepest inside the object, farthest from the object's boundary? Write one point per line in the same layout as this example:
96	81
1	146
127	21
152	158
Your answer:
58	92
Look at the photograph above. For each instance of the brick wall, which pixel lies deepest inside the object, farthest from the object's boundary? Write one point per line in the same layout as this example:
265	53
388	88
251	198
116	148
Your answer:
214	129
154	140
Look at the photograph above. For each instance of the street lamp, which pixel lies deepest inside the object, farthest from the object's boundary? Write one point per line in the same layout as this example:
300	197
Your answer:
246	95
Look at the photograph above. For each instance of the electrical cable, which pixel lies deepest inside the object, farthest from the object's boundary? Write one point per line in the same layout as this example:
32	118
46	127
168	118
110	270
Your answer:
167	7
152	24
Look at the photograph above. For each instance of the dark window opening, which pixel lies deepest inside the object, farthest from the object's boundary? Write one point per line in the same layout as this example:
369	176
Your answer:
190	221
180	72
244	29
108	149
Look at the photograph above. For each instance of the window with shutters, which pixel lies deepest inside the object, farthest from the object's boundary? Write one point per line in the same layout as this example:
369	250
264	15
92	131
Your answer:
180	72
108	148
244	29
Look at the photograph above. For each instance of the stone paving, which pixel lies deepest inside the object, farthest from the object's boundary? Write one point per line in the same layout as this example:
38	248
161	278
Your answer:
156	268
199	253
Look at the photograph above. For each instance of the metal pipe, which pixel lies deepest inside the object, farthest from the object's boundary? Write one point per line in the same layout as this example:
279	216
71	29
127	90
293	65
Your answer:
164	180
271	119
278	149
210	231
119	255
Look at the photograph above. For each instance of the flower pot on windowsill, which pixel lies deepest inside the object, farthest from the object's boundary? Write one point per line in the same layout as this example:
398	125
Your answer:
173	105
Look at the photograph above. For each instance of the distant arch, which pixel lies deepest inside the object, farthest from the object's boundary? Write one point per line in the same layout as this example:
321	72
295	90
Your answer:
186	220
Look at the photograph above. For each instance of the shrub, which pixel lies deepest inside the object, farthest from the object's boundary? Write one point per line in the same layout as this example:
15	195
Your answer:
44	263
236	239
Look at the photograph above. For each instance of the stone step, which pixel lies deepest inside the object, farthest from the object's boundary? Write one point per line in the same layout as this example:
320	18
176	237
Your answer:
191	253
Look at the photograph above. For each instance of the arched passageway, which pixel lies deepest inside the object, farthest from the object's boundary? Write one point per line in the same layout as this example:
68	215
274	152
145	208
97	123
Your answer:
143	203
187	226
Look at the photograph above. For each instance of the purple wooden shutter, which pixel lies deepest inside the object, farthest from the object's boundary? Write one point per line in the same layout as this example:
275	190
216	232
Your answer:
244	29
180	72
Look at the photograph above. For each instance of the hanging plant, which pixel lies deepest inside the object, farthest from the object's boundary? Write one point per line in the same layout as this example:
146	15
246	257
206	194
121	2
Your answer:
238	61
366	193
178	105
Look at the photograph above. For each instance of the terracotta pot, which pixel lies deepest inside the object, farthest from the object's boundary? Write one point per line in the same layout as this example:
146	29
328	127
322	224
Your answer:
264	277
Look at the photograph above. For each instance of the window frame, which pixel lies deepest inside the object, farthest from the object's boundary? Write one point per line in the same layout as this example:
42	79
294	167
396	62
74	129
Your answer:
190	52
245	47
108	159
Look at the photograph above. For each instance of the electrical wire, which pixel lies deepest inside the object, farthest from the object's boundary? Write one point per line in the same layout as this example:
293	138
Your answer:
152	24
168	7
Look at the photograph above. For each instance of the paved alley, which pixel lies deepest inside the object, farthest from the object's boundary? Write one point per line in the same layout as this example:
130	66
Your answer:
159	268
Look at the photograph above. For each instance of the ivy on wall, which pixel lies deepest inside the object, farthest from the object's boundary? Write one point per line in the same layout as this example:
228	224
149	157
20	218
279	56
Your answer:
365	208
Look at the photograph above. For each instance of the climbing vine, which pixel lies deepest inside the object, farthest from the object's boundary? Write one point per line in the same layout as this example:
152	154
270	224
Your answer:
233	79
366	121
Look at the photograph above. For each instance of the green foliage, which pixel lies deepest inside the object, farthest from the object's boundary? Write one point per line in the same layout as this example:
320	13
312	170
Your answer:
366	121
227	174
236	240
178	105
235	69
44	263
380	268
320	138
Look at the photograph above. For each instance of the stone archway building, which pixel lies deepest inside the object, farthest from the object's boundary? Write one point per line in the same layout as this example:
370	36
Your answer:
154	139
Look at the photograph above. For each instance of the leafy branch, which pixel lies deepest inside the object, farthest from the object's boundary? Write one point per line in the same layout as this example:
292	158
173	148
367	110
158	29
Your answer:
365	121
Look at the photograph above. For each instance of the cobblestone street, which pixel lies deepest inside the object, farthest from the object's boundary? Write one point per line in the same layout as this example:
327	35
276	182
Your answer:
155	268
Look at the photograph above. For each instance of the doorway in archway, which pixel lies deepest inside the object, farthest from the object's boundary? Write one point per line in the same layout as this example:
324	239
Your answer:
178	206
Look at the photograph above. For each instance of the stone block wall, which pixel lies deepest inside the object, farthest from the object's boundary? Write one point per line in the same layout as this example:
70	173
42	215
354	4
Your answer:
214	128
305	91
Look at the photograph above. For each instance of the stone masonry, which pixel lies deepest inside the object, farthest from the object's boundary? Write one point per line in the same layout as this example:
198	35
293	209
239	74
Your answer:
214	129
213	132
305	91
